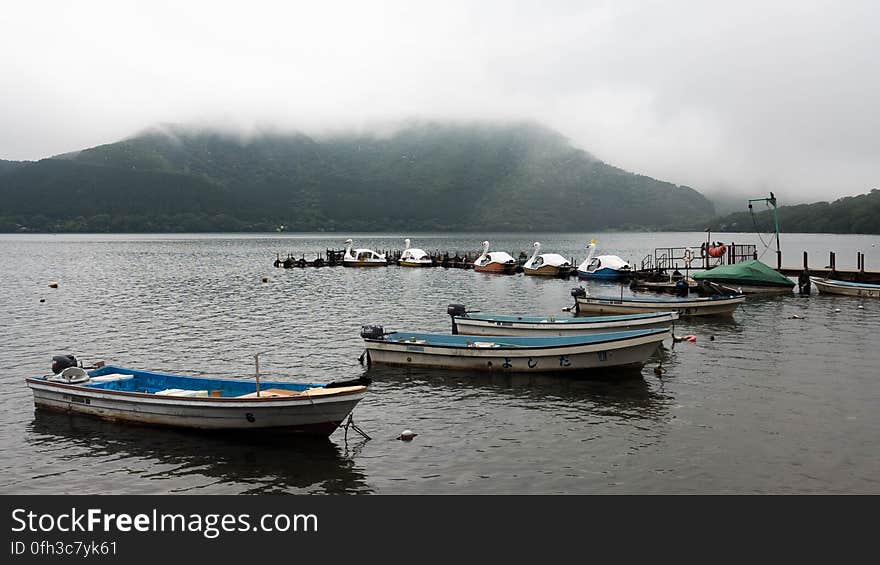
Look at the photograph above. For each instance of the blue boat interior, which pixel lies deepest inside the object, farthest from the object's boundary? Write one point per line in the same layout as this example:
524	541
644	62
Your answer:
565	320
151	382
448	340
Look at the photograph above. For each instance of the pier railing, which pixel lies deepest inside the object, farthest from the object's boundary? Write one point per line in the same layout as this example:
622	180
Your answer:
699	257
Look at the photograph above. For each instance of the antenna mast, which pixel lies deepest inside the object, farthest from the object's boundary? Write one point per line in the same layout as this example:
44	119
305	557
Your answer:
772	201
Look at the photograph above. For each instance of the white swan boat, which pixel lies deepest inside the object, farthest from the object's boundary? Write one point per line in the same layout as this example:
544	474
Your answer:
546	264
618	350
603	266
414	257
473	323
497	262
362	257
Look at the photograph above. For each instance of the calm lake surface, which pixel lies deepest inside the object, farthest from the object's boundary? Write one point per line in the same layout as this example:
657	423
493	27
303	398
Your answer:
773	404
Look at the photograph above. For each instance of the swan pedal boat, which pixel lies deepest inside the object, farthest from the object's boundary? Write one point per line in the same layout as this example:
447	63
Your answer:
546	264
846	288
603	267
362	257
496	262
470	323
414	257
722	305
147	397
618	350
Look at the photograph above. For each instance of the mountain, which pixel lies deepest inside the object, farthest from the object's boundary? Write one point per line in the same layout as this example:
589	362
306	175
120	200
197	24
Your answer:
423	176
852	214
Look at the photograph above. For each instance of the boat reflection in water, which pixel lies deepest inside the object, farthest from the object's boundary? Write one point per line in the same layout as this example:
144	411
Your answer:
94	456
557	395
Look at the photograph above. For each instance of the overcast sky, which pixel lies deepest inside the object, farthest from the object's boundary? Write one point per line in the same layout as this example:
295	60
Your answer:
741	96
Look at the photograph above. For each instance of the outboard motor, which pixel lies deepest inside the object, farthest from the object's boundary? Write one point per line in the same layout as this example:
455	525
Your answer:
681	288
61	362
578	292
804	284
455	310
372	332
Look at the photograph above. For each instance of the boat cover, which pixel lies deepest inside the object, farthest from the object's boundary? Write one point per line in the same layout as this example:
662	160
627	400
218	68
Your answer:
748	272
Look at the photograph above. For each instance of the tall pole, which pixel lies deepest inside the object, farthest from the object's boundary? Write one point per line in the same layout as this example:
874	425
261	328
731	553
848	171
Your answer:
772	201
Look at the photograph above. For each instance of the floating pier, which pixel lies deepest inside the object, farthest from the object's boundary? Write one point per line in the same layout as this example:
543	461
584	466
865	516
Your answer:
654	268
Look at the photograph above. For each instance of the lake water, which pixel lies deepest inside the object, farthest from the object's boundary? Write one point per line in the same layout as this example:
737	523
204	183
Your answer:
773	404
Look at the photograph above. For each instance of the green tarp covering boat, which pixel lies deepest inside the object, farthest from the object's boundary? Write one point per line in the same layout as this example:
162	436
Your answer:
751	276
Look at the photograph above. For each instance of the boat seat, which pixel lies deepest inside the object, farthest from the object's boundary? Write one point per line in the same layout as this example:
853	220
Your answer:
271	393
111	378
182	392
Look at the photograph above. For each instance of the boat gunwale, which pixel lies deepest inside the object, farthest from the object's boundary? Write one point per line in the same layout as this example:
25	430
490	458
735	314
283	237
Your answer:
845	284
322	399
659	316
688	302
642	333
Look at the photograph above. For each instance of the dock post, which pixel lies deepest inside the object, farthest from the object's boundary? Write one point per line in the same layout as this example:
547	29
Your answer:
806	262
831	263
731	256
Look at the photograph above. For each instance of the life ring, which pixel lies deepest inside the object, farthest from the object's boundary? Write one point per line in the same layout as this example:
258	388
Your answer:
688	256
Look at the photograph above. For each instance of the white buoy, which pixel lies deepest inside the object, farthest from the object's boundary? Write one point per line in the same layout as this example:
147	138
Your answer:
837	309
861	307
407	435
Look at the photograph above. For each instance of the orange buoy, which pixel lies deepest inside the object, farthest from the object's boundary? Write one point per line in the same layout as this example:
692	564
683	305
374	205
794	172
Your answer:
717	251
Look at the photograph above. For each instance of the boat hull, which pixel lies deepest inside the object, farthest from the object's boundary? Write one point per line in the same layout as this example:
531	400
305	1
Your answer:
631	353
547	271
404	263
308	416
365	263
592	306
470	326
852	289
496	268
731	286
604	274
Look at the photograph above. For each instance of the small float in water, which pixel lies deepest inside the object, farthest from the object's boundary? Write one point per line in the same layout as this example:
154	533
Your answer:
845	288
722	305
473	323
147	397
546	264
362	257
617	350
603	266
414	257
498	262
